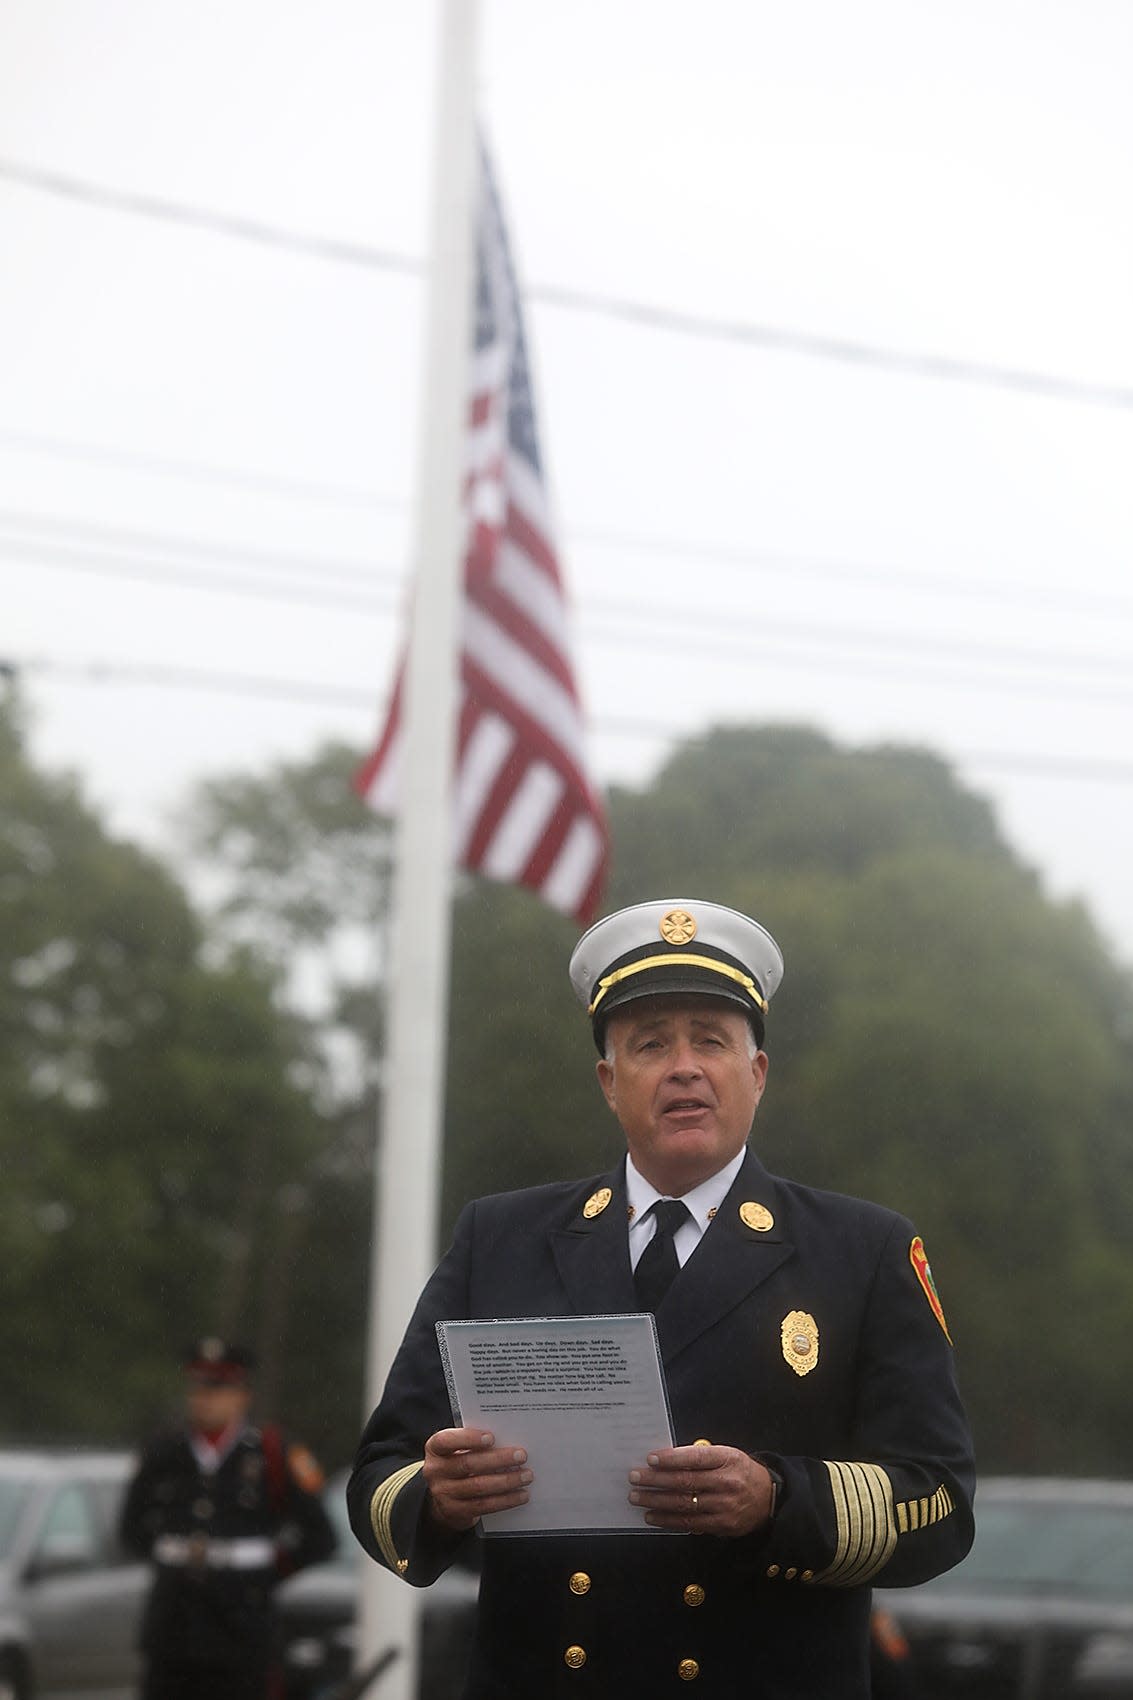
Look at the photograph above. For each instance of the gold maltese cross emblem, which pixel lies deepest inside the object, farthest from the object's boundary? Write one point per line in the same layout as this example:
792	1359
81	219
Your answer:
677	926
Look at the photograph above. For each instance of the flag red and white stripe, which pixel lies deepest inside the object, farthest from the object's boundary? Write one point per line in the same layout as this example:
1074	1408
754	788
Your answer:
524	809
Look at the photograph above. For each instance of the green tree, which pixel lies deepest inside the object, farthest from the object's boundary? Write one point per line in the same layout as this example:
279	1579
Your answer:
158	1130
299	871
947	1039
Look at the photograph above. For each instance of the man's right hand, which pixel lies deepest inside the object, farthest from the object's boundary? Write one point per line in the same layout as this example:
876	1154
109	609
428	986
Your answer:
468	1476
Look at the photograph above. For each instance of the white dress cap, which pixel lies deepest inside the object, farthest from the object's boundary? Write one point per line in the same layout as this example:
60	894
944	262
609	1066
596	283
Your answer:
676	945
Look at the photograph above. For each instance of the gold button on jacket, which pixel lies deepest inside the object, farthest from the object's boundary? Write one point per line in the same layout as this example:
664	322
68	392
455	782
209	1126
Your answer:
880	1386
694	1594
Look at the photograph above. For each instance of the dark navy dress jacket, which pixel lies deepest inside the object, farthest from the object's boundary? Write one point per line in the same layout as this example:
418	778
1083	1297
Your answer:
804	1329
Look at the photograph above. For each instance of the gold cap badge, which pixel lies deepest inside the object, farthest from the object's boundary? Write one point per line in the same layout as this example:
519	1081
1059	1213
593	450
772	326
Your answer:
800	1341
597	1202
677	926
756	1216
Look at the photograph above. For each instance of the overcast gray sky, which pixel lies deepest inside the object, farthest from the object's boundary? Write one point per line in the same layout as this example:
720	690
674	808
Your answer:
207	444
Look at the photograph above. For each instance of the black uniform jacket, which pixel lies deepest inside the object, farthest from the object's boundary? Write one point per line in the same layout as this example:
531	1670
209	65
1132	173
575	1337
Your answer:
220	1540
798	1331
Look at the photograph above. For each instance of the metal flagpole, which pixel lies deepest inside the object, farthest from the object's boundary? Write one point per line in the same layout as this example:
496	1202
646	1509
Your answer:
407	1170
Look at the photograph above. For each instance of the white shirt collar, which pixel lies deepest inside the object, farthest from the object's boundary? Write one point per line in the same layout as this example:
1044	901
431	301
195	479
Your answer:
702	1202
209	1457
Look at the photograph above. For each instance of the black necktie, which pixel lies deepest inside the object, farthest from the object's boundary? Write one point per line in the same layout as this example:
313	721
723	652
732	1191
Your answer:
658	1262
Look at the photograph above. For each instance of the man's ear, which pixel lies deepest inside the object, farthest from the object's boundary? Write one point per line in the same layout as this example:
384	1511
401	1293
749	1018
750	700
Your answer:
606	1082
759	1072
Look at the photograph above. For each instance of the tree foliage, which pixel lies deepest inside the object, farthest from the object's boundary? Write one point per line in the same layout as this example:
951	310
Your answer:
947	1040
157	1130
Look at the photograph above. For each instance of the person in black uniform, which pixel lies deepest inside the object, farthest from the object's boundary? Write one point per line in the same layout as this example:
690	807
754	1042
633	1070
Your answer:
224	1511
820	1440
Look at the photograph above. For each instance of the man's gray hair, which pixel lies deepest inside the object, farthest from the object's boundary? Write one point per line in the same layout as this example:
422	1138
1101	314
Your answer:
752	1044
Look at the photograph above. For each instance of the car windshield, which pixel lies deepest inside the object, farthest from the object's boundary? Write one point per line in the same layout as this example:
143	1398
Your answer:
1038	1546
13	1493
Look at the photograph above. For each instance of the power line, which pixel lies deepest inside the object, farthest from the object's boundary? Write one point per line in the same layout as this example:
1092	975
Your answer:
858	655
198	679
848	572
847	351
736	558
144	572
308	691
645	315
168	466
627	625
88	533
62	184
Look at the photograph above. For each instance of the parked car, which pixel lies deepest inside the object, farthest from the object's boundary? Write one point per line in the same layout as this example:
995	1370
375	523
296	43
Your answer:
70	1598
1042	1607
318	1610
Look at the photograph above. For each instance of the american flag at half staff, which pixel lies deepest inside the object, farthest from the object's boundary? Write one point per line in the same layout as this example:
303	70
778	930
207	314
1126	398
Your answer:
524	809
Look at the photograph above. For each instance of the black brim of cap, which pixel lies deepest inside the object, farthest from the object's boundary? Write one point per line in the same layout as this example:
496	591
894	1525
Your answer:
662	986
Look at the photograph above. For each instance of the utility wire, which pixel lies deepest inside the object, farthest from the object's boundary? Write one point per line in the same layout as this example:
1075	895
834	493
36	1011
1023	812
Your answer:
644	315
311	691
627	624
89	534
736	559
82	561
860	572
779	652
62	184
167	466
842	349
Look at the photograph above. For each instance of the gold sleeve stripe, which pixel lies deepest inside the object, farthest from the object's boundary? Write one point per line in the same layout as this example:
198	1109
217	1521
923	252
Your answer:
865	1523
920	1513
381	1515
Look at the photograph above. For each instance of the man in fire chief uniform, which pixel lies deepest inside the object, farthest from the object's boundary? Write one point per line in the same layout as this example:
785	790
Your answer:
225	1510
820	1441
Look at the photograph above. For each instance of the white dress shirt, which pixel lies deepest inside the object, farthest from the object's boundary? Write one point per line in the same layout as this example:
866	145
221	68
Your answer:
702	1204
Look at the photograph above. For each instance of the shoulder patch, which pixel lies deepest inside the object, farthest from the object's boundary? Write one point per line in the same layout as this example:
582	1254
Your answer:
918	1257
304	1468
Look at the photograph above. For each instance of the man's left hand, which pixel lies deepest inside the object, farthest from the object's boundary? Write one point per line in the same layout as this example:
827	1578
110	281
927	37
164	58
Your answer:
703	1490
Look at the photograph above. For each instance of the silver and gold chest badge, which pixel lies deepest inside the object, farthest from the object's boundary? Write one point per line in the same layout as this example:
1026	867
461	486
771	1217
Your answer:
800	1341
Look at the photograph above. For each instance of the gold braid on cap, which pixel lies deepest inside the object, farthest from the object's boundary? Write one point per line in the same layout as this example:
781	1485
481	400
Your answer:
683	959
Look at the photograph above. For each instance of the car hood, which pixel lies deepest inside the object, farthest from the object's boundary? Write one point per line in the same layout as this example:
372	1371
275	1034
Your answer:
1015	1613
321	1585
336	1585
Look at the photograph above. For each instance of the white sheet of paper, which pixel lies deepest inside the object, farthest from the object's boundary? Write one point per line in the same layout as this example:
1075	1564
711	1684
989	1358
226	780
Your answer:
585	1395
